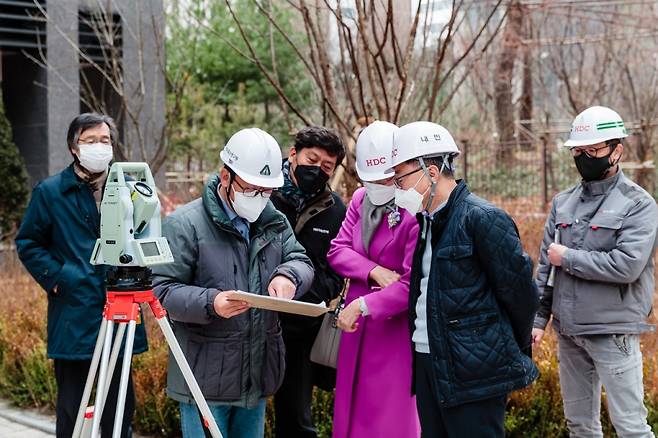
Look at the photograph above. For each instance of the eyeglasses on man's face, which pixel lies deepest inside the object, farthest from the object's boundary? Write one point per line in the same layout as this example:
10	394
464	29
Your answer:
398	181
592	151
252	192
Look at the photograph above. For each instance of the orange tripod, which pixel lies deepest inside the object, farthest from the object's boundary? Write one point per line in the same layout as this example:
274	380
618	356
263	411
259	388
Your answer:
122	308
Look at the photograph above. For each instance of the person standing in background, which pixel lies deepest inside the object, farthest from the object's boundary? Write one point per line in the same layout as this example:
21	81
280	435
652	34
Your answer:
315	213
55	242
603	286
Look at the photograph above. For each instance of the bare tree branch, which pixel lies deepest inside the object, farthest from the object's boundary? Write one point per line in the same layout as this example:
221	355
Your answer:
262	68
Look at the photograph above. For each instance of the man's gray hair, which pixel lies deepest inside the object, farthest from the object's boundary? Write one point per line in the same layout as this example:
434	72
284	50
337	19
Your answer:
86	121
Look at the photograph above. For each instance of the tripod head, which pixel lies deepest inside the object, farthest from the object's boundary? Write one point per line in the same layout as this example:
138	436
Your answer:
128	279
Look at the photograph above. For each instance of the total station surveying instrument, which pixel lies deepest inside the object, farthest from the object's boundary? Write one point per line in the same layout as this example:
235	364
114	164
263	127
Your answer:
130	241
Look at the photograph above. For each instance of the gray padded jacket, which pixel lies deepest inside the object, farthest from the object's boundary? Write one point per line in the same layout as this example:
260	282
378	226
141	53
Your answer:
605	284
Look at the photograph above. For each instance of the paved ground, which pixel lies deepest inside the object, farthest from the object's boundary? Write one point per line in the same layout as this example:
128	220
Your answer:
19	423
15	423
9	429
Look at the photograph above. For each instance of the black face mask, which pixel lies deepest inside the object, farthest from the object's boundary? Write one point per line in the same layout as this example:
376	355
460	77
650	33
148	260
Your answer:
592	169
310	179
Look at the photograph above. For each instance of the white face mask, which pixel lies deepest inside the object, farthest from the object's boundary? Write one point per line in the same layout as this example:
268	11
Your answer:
248	207
410	199
379	194
95	157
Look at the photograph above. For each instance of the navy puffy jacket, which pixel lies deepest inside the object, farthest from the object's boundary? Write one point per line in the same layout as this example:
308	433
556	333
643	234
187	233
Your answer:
481	301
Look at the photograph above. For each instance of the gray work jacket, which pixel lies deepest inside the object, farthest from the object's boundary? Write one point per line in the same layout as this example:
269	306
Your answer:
239	360
605	284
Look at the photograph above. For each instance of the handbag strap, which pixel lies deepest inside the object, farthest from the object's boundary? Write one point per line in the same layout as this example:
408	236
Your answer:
346	285
341	301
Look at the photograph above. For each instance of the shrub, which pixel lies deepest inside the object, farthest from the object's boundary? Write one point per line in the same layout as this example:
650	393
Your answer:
26	375
155	413
13	175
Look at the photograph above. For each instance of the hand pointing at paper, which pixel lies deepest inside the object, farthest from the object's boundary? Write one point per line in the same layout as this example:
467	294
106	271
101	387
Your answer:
281	287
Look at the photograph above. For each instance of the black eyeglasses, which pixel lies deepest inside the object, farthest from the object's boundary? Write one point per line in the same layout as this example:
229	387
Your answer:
252	193
94	140
398	181
590	152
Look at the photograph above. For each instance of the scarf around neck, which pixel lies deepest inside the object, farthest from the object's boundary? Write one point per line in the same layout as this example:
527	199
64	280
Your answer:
291	191
371	217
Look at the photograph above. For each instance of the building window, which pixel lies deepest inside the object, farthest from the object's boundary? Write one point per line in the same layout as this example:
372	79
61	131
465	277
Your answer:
101	70
22	25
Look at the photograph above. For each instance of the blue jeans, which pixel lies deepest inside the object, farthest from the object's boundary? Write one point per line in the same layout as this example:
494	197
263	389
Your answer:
233	421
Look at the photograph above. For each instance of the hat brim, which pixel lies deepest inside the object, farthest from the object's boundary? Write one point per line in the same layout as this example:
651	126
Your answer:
374	176
266	182
578	143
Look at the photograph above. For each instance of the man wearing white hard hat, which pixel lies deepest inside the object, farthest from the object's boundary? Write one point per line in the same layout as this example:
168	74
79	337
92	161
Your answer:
472	296
374	249
599	242
232	238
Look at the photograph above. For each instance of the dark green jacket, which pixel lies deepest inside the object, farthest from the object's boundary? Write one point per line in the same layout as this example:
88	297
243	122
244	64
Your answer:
239	360
55	242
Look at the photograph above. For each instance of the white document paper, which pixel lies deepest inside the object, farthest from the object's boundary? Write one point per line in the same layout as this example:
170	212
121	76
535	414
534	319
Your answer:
279	304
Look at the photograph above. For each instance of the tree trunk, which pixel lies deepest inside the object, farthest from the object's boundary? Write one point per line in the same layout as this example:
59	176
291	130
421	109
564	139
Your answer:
645	177
504	106
525	111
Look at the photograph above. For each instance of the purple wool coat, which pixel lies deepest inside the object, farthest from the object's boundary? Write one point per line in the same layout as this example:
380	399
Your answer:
373	384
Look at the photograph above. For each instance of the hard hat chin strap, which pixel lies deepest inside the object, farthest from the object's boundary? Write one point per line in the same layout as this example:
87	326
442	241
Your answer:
612	163
228	190
433	186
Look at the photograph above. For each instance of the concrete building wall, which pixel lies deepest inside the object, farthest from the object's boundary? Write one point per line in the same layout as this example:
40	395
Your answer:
63	99
26	109
143	63
40	103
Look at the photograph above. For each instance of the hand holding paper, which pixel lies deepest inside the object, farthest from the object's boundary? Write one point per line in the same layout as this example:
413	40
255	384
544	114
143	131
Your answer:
227	308
281	287
278	304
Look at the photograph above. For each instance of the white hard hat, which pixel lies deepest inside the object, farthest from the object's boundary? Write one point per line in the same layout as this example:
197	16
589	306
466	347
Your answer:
373	151
595	125
255	156
422	139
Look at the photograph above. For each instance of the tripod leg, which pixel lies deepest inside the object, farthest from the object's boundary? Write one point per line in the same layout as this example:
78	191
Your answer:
209	420
102	377
84	402
125	374
116	348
